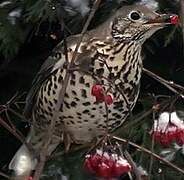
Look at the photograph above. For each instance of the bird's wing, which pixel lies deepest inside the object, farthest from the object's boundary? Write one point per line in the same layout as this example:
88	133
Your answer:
55	61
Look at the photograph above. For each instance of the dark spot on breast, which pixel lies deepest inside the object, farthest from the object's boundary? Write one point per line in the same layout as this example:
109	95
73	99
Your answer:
86	103
81	80
79	114
50	109
70	117
105	115
50	103
68	123
72	82
40	102
86	111
41	116
61	108
77	99
118	104
67	105
117	123
87	85
116	68
118	116
45	99
83	93
73	104
60	79
93	108
110	69
72	122
114	114
100	107
100	72
46	112
55	101
79	122
66	95
55	86
111	58
101	64
92	116
111	76
96	122
74	93
85	120
89	129
53	92
51	114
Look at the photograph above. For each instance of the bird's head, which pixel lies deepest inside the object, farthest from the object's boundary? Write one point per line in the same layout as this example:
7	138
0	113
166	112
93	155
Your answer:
138	23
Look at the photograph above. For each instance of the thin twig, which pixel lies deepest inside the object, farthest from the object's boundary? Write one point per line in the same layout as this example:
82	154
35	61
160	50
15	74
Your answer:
134	166
150	153
169	84
4	175
16	133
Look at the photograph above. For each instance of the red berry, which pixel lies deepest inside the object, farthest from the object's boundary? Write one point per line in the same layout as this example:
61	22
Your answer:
30	178
105	165
108	99
95	160
104	170
97	90
164	139
100	99
174	19
180	137
88	166
120	169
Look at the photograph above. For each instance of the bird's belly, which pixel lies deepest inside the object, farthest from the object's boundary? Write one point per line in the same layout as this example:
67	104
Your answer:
84	122
80	116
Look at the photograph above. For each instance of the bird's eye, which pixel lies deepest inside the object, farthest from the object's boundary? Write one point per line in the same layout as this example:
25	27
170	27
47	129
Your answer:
134	15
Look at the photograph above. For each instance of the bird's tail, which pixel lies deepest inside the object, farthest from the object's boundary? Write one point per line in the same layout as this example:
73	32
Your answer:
24	161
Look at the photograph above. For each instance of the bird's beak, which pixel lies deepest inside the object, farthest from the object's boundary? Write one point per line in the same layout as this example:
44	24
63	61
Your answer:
164	19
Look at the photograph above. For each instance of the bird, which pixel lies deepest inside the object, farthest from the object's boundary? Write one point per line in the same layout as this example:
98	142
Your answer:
110	56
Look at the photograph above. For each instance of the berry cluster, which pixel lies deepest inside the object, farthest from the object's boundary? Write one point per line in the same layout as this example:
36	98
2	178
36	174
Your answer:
106	165
98	91
168	128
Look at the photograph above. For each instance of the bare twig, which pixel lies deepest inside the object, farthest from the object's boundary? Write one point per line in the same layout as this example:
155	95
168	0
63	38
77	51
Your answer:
169	84
4	175
16	133
134	166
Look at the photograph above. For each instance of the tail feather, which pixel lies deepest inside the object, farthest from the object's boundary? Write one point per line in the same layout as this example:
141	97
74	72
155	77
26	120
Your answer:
24	161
